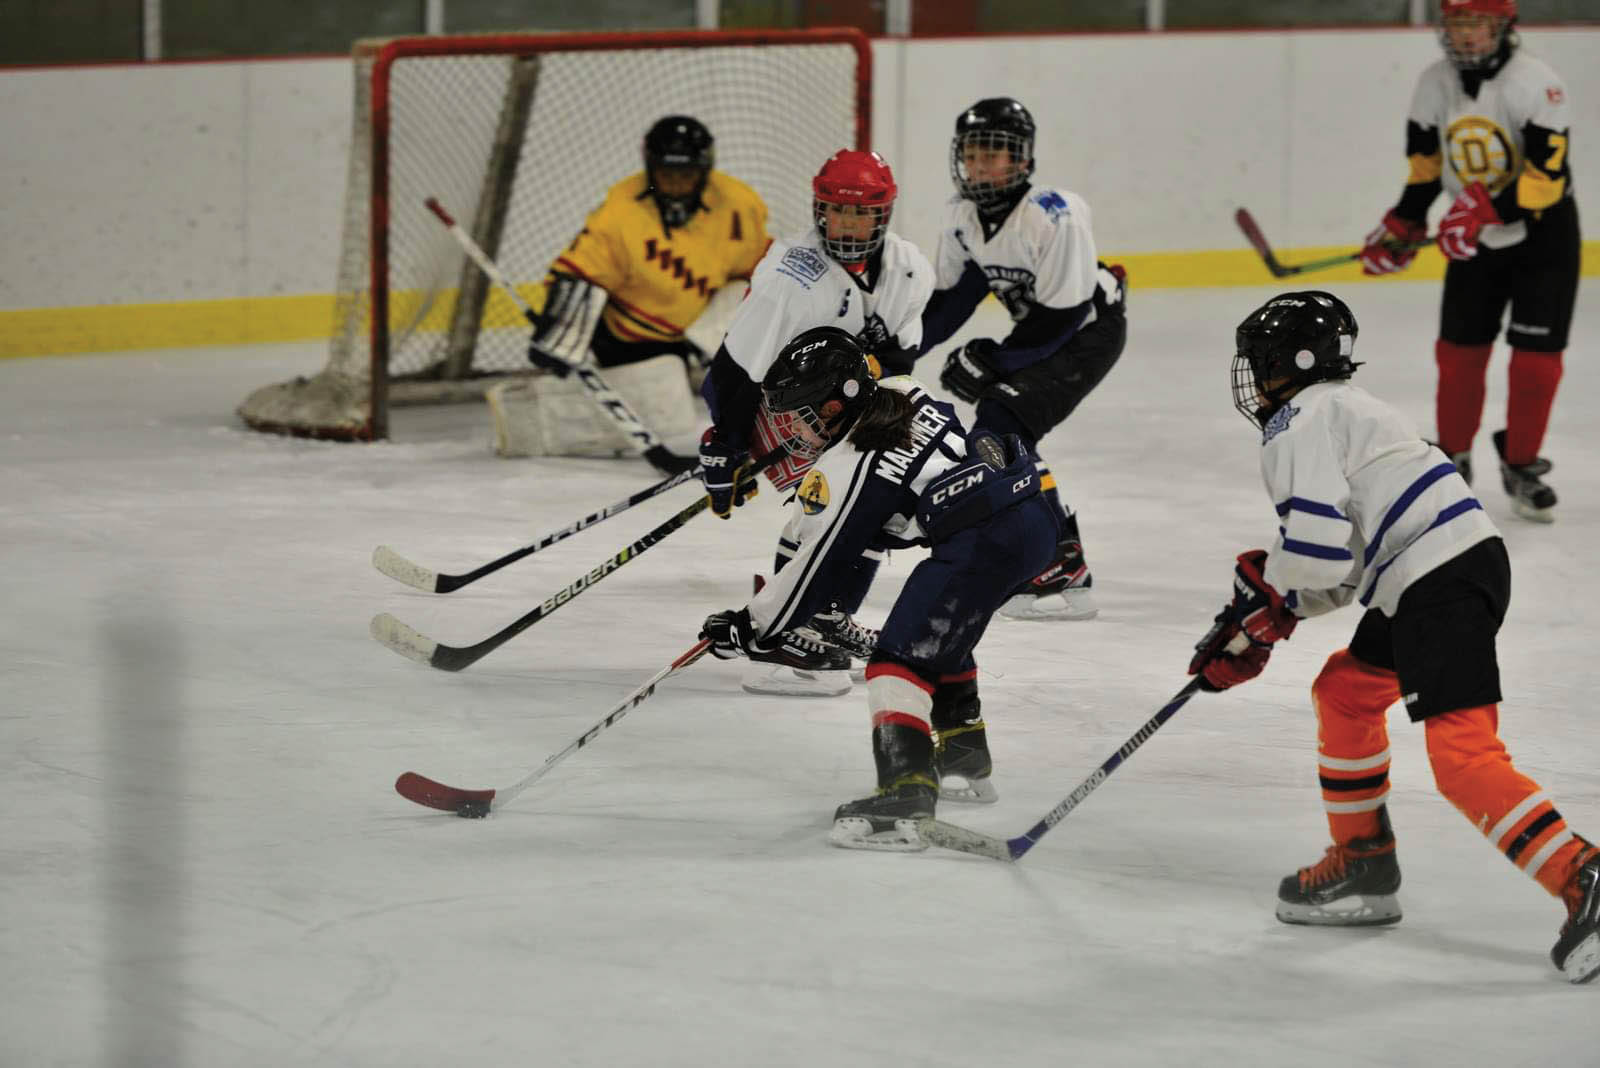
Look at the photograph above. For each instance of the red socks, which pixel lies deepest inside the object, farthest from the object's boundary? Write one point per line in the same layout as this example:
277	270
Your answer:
1459	403
1534	377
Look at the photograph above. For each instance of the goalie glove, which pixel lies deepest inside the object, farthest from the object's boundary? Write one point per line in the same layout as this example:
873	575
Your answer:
562	333
1241	637
968	371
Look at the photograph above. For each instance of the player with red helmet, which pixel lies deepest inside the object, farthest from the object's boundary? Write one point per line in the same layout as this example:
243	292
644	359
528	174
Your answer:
847	270
1489	124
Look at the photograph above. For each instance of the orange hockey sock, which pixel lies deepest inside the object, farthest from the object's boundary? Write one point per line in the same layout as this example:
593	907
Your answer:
1458	406
1475	774
1351	698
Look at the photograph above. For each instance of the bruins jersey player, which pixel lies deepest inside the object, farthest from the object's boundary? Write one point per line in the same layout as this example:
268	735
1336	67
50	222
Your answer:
651	256
1489	126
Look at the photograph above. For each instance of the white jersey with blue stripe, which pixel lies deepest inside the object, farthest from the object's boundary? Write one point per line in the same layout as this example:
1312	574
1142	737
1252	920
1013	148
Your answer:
1365	506
853	500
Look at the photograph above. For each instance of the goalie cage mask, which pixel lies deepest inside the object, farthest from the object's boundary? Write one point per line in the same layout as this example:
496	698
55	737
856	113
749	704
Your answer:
818	384
678	142
1291	341
996	123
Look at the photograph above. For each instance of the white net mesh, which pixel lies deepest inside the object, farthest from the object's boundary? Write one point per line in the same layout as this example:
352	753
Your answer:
777	111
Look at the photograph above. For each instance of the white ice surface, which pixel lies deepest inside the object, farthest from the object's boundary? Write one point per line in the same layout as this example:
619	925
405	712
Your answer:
202	860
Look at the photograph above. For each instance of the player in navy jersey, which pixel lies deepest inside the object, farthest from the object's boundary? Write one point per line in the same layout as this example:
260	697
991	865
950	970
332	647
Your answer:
1489	125
1368	511
1032	245
898	469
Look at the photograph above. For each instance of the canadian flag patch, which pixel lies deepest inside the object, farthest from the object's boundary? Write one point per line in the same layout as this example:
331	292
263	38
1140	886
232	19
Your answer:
1554	94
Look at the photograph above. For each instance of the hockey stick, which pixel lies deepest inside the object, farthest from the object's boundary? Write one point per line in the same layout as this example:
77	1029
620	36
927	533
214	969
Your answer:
1253	234
948	835
389	631
399	568
608	399
475	804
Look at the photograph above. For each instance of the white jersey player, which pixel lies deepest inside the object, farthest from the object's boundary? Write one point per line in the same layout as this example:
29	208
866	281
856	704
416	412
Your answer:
1490	126
849	272
1368	511
1033	247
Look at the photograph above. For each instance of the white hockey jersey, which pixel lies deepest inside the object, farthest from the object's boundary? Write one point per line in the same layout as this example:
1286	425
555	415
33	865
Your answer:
1483	138
1044	252
1366	506
797	286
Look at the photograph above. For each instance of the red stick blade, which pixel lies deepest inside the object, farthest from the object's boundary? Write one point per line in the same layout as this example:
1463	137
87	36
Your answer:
1252	232
424	791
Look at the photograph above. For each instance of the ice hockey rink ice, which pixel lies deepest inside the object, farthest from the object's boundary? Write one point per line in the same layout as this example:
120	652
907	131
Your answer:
204	862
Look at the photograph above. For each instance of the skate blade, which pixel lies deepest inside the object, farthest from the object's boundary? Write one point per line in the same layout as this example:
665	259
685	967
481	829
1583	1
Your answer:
1068	606
1583	962
779	680
1532	514
967	791
855	832
1370	910
858	671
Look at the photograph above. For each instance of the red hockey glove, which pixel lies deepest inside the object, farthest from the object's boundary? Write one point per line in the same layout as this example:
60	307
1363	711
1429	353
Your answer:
1458	230
1240	640
1385	251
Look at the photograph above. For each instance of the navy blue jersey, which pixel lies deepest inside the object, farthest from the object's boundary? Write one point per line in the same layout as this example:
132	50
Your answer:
854	500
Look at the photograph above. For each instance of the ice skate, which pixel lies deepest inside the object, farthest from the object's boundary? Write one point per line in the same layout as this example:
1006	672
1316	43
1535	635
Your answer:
840	630
1061	591
1354	885
961	749
1530	497
888	819
801	665
1577	952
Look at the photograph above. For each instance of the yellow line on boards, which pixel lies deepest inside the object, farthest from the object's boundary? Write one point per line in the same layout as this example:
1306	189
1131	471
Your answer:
309	317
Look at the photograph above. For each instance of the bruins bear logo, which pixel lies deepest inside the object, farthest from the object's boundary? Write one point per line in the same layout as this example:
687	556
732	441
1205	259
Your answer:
813	493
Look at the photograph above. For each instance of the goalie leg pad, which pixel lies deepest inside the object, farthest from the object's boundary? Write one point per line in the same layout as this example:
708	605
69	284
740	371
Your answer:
548	416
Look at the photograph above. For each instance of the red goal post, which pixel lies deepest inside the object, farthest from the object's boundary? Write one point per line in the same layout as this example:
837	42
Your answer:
520	135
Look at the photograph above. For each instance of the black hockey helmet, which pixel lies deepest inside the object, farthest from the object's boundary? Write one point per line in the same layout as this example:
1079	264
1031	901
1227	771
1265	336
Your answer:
679	143
821	378
996	123
1289	342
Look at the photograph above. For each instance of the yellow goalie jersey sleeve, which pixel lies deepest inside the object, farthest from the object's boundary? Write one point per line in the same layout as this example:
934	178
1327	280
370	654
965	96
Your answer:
659	281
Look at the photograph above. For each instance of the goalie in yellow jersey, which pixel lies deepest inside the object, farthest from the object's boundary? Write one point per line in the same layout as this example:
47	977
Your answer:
623	294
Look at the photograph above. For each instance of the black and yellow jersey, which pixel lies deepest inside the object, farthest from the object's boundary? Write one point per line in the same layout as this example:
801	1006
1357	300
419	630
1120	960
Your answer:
659	280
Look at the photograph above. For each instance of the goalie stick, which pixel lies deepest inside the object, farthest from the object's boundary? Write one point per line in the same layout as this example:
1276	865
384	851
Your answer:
410	643
1258	241
948	835
608	399
475	804
399	568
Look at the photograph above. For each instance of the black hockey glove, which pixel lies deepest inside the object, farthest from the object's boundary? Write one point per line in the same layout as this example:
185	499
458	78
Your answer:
727	473
729	633
968	371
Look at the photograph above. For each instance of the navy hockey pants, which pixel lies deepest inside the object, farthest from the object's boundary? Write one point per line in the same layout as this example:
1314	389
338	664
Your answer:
947	602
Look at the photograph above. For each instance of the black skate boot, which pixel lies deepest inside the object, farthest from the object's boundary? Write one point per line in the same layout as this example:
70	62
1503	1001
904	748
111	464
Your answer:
1577	952
1354	885
1060	591
1530	497
1462	460
840	630
798	664
962	751
907	791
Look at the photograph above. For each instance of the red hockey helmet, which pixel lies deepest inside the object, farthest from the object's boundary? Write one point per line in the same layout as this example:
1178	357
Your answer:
860	187
1474	33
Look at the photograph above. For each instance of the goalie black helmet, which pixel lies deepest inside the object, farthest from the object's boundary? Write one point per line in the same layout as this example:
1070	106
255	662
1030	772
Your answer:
982	131
678	156
822	379
1288	343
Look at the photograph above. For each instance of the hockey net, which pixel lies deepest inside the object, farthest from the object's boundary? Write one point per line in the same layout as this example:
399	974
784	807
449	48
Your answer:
519	136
